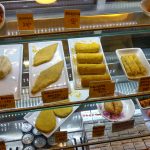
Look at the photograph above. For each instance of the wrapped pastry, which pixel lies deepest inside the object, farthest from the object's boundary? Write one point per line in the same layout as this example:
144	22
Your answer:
81	47
91	69
86	79
87	58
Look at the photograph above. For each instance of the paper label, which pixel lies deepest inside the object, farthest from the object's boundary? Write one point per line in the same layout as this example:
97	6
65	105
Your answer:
144	84
101	89
119	126
61	137
98	131
7	101
25	21
55	95
2	145
72	18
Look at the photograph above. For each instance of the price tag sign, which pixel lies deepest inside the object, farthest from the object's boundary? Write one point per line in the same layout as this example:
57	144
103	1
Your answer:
25	22
61	137
101	89
144	84
98	131
2	145
7	101
55	95
120	126
72	18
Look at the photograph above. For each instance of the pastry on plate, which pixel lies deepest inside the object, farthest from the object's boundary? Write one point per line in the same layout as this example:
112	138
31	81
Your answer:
45	54
5	66
47	77
46	121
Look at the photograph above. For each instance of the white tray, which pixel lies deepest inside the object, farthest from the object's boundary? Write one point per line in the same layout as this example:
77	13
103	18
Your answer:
35	71
76	76
140	55
11	84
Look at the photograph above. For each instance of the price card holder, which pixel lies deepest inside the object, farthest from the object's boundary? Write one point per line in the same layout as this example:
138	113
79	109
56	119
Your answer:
61	136
2	145
98	131
101	89
55	95
7	101
120	126
72	18
144	84
25	22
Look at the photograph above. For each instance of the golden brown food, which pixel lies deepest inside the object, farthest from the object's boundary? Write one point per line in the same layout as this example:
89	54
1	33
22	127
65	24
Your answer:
145	102
46	121
5	66
44	55
91	69
114	107
48	77
86	79
87	58
81	47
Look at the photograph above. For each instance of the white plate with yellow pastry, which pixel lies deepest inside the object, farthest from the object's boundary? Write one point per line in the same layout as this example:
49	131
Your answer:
134	63
117	110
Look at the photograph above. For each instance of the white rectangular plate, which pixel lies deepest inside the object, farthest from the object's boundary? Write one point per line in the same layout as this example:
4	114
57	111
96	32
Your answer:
76	76
11	84
140	55
35	71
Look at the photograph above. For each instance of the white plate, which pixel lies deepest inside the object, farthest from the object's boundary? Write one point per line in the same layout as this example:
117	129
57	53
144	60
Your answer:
144	5
140	55
11	84
35	71
71	42
126	114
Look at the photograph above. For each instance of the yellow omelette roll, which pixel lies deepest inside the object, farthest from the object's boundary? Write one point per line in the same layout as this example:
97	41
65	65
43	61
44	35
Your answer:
81	47
89	58
86	79
91	69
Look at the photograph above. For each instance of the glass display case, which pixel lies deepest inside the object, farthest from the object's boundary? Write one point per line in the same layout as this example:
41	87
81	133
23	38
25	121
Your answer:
109	30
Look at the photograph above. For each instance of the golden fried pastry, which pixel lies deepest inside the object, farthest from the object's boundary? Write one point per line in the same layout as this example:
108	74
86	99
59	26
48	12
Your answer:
91	69
87	58
145	102
44	55
86	79
46	121
109	107
5	66
81	47
48	77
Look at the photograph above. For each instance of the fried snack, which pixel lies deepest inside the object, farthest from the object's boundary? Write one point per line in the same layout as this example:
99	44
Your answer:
91	69
5	66
63	112
48	77
86	79
87	58
81	47
44	55
145	102
109	107
46	121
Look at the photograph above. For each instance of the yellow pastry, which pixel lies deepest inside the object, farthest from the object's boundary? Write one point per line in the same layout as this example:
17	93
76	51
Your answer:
87	58
46	121
44	55
81	47
48	77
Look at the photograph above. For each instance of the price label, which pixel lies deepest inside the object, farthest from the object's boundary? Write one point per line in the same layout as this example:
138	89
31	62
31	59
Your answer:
101	89
144	84
55	95
25	22
98	131
2	145
61	137
72	18
120	126
7	101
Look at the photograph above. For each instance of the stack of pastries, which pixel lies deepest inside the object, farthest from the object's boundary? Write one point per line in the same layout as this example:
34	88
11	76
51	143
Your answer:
90	64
